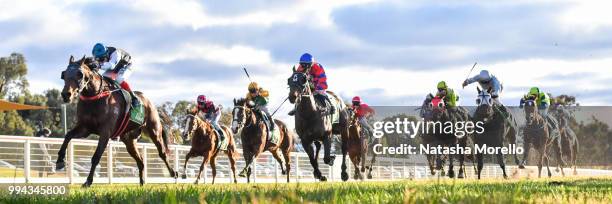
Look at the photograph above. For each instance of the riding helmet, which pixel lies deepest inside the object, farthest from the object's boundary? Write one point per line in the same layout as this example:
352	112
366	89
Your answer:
99	50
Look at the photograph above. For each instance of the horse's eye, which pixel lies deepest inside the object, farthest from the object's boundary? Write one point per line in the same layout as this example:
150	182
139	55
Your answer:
430	104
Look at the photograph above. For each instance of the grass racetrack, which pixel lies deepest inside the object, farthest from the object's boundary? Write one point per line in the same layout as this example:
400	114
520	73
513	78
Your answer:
556	190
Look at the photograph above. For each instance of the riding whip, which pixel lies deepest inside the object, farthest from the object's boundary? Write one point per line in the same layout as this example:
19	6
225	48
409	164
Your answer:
279	106
468	76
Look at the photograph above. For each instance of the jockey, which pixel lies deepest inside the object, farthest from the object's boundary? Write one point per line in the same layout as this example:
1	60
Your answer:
318	79
450	99
363	111
211	113
117	66
542	100
487	80
258	99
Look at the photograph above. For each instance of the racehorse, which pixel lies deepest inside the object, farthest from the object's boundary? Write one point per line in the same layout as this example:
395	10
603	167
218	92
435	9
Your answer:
254	135
497	129
357	147
204	143
100	111
313	126
569	140
537	133
434	111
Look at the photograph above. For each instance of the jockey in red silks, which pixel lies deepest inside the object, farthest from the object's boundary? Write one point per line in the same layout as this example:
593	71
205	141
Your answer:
318	79
362	112
117	65
212	113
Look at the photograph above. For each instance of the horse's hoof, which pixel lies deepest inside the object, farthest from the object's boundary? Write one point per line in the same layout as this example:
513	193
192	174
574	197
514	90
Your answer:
184	176
329	161
284	172
451	174
369	176
521	166
60	165
242	173
344	176
196	182
323	178
86	185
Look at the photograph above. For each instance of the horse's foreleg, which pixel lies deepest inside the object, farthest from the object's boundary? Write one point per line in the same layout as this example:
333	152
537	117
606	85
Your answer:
205	159
130	145
451	171
344	175
479	158
187	157
328	158
213	167
76	132
502	165
313	159
559	157
526	147
372	162
95	160
232	161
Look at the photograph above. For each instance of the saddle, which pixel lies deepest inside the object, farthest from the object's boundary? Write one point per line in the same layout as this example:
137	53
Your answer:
272	136
136	114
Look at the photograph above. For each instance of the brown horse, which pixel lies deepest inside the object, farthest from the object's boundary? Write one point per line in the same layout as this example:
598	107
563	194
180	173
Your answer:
357	148
536	133
253	133
204	140
100	111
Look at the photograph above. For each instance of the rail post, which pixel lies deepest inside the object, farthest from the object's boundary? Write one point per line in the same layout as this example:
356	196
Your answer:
26	162
109	162
176	163
145	159
276	172
70	167
297	167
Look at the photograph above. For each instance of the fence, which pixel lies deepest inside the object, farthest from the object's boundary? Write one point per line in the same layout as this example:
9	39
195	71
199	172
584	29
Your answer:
32	160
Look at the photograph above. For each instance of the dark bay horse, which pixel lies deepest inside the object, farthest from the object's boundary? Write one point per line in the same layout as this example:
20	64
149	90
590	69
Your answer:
497	130
204	140
312	126
357	147
437	115
100	111
536	133
253	133
569	140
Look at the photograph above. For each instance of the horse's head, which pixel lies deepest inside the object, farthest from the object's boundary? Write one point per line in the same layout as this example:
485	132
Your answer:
76	77
191	122
298	83
485	104
426	108
240	114
531	111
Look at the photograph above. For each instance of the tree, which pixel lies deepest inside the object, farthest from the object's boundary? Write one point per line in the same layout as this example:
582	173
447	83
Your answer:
13	72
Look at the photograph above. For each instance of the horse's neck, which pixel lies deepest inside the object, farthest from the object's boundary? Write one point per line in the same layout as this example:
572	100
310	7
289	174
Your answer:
251	120
307	105
95	85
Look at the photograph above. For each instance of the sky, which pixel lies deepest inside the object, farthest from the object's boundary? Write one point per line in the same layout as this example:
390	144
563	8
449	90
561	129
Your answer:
387	52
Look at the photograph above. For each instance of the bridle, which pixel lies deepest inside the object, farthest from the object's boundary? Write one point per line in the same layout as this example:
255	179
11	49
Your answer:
304	89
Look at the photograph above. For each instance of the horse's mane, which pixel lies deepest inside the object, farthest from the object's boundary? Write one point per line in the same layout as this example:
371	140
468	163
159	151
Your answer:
241	101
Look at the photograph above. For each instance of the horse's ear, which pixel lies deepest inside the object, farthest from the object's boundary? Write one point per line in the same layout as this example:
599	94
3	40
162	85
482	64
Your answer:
82	60
235	102
71	59
294	68
478	89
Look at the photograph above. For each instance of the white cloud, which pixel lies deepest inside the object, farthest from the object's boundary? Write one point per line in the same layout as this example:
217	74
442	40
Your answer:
587	14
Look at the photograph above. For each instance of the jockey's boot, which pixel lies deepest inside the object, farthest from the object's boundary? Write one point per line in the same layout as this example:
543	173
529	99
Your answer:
292	112
135	101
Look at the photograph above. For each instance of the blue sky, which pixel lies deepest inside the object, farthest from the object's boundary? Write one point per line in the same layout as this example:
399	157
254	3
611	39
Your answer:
389	52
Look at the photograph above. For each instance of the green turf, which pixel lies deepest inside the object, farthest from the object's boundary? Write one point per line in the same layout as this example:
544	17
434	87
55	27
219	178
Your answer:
557	190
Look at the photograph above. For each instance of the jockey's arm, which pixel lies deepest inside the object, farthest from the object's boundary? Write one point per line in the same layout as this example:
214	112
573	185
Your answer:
112	61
